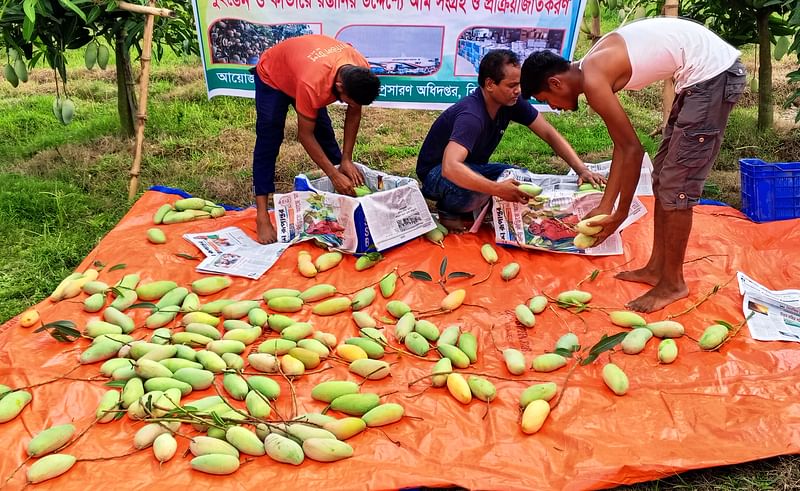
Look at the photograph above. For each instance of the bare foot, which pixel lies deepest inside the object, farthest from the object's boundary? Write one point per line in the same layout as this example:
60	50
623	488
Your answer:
265	231
642	275
658	298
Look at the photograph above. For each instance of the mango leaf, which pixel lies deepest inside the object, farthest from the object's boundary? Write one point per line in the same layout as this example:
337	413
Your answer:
63	330
217	420
99	264
606	343
29	7
116	383
421	275
723	323
459	274
443	266
594	274
120	415
563	352
187	256
74	8
143	305
118	266
374	256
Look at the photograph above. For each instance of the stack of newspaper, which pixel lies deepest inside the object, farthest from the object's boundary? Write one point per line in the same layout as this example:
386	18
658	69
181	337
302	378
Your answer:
231	251
771	315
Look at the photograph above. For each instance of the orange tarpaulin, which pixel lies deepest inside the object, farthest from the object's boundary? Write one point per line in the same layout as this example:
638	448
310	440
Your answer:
706	409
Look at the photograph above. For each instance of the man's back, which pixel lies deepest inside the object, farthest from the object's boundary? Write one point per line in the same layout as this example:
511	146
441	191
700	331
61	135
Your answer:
666	47
304	68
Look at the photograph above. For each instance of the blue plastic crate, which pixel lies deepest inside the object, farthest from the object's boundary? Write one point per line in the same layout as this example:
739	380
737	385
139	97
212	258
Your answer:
770	191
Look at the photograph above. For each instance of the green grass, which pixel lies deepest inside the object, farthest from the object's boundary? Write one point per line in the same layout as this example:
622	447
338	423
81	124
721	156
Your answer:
63	187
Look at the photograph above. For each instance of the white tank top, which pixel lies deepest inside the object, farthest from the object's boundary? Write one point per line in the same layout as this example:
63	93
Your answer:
668	47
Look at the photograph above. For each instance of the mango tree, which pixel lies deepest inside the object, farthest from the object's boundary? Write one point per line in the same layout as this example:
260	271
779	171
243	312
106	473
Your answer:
763	22
36	31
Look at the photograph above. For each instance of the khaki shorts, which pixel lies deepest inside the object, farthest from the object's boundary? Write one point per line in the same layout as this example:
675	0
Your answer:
692	137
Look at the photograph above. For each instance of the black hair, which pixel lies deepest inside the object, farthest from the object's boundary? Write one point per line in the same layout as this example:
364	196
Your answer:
360	84
493	65
538	67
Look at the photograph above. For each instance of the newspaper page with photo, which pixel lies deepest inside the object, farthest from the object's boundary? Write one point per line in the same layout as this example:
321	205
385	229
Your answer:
772	315
231	251
328	217
548	222
390	210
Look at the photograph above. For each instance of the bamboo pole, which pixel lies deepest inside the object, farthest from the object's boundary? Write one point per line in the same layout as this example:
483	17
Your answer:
141	114
145	9
668	91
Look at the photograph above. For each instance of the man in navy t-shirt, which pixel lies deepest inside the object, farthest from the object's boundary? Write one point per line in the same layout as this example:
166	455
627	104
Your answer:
453	163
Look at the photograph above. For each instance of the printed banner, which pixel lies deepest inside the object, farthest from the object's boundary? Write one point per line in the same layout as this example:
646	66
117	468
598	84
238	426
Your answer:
427	52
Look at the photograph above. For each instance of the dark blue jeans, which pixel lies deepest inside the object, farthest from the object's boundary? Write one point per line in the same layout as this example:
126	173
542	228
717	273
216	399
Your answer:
450	198
271	108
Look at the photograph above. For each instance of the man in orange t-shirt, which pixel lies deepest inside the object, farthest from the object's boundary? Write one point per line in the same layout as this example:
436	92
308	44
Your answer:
308	72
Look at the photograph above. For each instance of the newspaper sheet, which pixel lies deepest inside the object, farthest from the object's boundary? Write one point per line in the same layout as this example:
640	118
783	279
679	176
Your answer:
394	213
548	224
645	185
775	314
231	251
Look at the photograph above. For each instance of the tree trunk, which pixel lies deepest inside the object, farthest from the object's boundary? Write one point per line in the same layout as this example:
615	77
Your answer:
126	97
596	31
764	71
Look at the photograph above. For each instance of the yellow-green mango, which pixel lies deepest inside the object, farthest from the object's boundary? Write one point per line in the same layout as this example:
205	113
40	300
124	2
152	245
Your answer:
667	351
49	440
548	362
326	450
317	292
713	336
469	345
615	379
285	304
332	389
544	391
245	441
373	349
524	315
197	378
276	346
456	356
635	341
388	284
217	464
280	292
624	318
364	299
442	369
370	369
384	414
515	361
283	449
481	388
239	309
345	428
332	306
211	285
49	466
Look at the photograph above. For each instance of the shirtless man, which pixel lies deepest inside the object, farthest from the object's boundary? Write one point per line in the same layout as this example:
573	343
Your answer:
709	79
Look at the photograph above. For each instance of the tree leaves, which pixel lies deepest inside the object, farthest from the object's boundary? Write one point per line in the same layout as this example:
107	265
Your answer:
187	256
421	275
62	330
117	266
606	343
443	266
459	274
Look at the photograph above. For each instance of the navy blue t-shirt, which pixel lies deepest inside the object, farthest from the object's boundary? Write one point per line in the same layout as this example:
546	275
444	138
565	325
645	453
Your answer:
467	123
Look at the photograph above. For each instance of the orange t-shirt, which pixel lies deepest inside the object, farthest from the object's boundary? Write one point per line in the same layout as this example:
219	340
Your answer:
304	68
